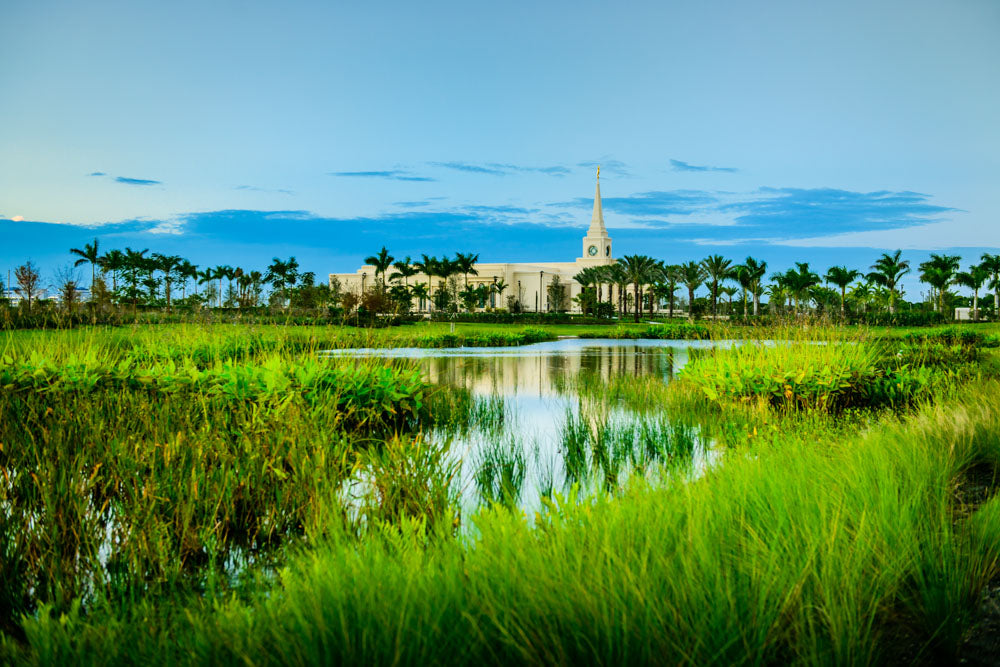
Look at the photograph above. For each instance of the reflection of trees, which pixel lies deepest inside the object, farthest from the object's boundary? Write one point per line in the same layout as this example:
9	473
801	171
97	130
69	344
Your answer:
555	373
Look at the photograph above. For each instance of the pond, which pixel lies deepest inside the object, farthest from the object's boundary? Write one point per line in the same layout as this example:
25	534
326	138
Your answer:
542	421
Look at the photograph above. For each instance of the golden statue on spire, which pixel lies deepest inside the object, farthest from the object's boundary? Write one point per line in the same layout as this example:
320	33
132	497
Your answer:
598	172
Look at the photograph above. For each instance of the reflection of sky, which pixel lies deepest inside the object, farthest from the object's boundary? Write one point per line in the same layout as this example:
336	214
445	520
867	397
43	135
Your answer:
542	369
538	385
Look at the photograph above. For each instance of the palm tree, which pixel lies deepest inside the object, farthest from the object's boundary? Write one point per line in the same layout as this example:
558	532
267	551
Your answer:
256	279
799	281
601	276
498	288
641	270
431	267
886	271
168	264
586	278
419	291
465	264
619	278
992	265
447	268
841	276
223	271
939	272
756	269
187	271
730	292
749	274
742	277
671	275
206	277
974	279
282	275
89	255
862	292
717	268
113	261
382	261
135	263
404	270
692	274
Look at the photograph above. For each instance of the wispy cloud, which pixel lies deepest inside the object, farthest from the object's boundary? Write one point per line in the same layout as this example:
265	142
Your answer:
782	213
610	166
655	203
470	168
97	173
136	181
501	169
680	165
254	188
549	171
391	174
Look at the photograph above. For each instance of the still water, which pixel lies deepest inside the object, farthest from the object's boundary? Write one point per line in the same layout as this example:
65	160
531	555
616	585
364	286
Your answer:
542	420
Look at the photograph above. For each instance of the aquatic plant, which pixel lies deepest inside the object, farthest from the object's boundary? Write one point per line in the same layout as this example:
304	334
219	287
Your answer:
808	375
500	472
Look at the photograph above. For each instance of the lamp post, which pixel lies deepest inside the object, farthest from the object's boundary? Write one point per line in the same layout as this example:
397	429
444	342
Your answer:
541	291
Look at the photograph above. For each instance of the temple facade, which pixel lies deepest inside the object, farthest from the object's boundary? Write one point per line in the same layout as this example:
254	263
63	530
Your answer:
528	282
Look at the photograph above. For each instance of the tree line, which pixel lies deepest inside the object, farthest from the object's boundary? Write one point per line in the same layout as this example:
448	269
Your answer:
636	284
642	282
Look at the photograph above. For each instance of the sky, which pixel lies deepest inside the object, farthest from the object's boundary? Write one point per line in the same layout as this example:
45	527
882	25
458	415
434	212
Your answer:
233	132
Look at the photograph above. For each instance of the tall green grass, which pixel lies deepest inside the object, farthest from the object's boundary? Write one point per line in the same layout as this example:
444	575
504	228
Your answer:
830	376
850	552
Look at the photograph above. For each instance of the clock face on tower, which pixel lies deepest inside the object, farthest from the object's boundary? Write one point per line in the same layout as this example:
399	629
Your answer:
592	250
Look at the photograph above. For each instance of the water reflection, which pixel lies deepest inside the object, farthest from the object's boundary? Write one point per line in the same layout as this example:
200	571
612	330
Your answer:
541	421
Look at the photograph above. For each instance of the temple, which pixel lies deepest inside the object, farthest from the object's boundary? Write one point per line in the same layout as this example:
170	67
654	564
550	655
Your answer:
527	282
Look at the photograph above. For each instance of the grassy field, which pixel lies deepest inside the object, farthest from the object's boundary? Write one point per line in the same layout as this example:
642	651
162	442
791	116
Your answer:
199	494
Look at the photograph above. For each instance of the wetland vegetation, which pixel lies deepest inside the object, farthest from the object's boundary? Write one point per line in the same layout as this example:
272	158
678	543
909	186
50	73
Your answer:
272	495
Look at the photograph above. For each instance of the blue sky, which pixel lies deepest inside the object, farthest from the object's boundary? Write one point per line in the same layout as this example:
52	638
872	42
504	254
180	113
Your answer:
233	132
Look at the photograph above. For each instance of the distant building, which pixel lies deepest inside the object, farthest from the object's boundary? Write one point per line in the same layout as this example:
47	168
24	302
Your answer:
13	297
527	281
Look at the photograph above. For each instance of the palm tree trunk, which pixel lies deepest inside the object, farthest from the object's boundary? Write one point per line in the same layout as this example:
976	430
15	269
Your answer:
843	296
638	301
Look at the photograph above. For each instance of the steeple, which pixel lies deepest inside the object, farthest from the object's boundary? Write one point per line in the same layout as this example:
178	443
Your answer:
597	218
597	243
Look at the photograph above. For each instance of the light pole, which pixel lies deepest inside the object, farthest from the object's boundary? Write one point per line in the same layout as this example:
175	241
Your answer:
541	291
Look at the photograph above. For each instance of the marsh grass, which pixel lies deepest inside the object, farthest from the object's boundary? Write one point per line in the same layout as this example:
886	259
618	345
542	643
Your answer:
184	497
500	472
608	448
817	375
850	555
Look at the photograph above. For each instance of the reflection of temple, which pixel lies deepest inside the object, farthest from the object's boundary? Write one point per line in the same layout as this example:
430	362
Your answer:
527	283
547	374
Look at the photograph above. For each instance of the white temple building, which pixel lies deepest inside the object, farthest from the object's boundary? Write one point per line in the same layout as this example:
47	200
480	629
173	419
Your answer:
527	282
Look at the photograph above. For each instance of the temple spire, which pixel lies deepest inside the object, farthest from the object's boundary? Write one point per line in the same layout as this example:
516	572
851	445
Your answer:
597	218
